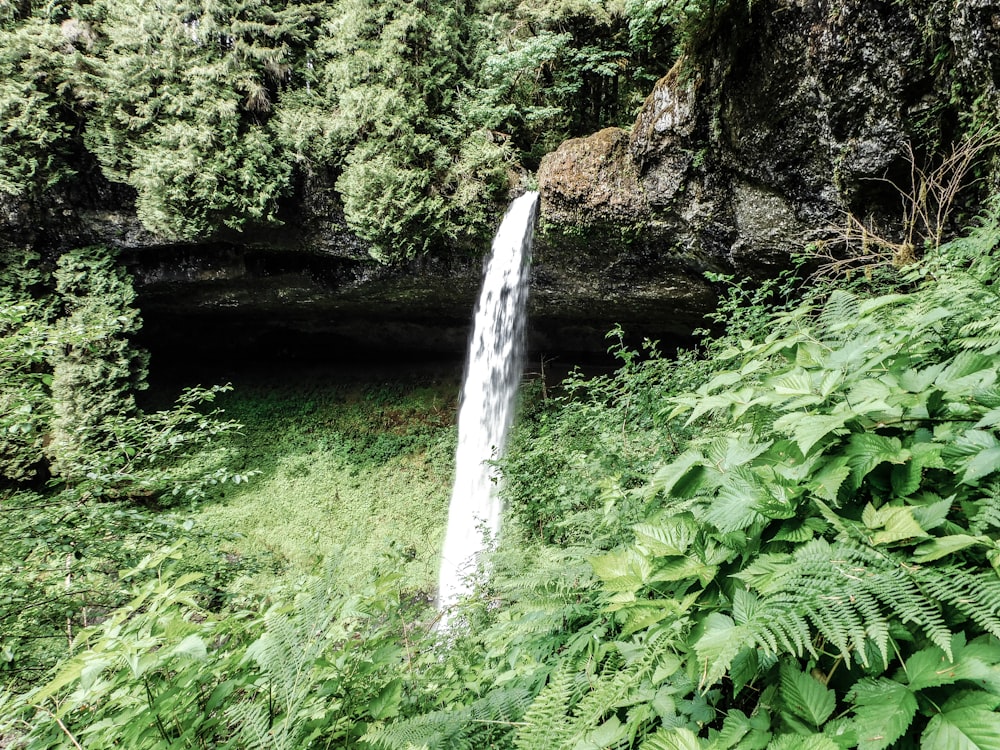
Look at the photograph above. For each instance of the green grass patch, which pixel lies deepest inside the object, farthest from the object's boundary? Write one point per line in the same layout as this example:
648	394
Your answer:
343	464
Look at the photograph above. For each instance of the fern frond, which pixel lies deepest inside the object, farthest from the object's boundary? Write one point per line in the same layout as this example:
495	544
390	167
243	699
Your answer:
545	725
975	595
985	514
839	314
848	595
483	723
438	730
254	722
982	335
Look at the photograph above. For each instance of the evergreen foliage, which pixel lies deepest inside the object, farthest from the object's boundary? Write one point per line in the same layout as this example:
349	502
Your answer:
187	126
25	408
95	370
424	115
35	106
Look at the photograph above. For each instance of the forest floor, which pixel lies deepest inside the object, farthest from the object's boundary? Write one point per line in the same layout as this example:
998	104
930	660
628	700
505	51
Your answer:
352	460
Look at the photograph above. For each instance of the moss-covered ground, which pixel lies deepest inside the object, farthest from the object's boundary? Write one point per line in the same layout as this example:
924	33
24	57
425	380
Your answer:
343	463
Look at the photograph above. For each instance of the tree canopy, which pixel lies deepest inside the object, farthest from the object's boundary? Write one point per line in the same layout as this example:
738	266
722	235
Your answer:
422	114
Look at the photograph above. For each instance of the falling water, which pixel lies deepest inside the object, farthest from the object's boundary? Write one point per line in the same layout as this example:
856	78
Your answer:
492	374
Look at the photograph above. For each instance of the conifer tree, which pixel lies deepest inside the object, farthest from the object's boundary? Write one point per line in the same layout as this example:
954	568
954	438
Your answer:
95	369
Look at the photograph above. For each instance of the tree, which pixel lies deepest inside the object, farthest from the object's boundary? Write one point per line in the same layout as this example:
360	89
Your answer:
35	117
95	369
189	126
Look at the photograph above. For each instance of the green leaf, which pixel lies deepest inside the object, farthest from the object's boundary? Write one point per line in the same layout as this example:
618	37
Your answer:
717	646
867	450
931	667
738	401
622	570
678	738
808	429
896	523
802	742
680	478
71	672
906	477
725	378
990	418
685	568
827	480
742	733
192	647
767	571
968	372
804	696
734	506
945	545
667	535
744	668
385	705
929	510
883	711
966	722
799	530
730	452
983	463
793	383
609	734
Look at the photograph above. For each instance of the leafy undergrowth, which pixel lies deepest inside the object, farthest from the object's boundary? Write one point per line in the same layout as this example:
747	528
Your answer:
323	465
790	542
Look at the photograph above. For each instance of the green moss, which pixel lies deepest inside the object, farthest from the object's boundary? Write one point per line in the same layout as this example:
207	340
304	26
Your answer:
342	465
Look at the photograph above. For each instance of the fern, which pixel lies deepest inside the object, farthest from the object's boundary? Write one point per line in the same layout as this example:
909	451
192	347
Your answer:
981	335
484	721
840	314
543	726
985	512
848	596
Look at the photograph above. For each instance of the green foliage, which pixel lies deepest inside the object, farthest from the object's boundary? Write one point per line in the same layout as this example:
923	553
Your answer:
689	23
60	561
95	370
813	554
35	83
98	441
25	408
162	671
341	465
188	127
424	115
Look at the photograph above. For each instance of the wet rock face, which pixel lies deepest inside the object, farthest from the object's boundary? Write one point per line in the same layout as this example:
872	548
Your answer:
797	112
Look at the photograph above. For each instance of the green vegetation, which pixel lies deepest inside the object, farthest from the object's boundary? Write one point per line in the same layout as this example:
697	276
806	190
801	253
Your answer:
341	466
93	482
790	539
69	416
423	115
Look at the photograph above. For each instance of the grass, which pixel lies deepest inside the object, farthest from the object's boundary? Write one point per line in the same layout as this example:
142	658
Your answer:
343	465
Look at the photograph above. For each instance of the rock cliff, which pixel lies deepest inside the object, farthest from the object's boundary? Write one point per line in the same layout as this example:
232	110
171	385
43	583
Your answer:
795	113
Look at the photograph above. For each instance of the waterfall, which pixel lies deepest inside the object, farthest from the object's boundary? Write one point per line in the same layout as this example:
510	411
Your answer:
492	375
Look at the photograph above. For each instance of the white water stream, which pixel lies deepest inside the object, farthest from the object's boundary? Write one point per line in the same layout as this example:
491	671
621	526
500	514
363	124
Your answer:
492	375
